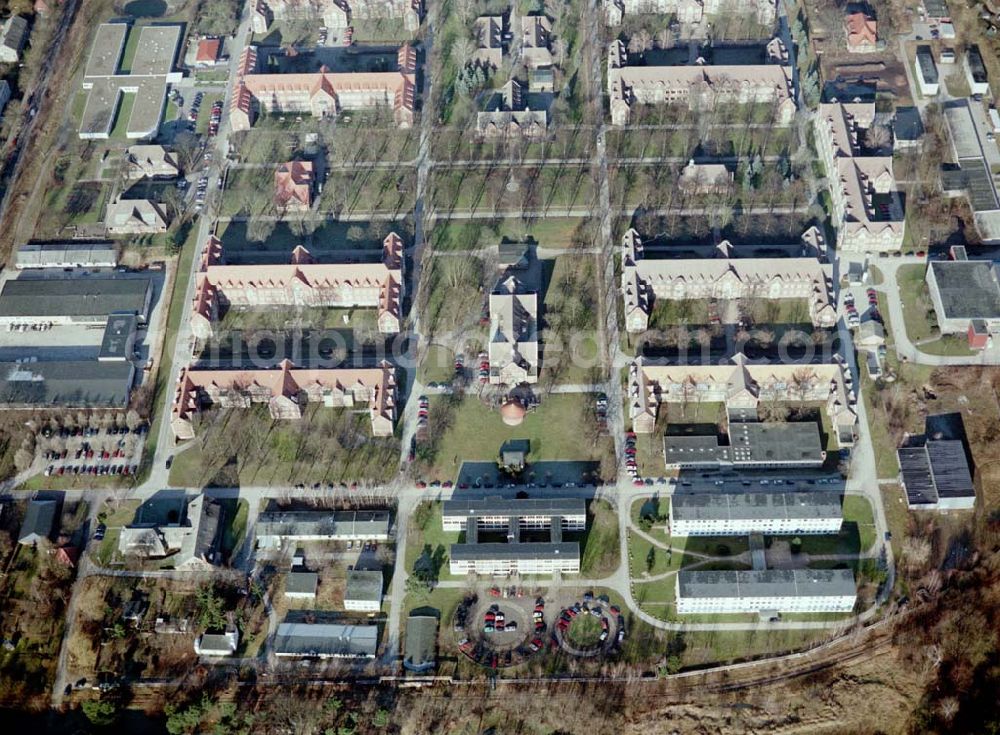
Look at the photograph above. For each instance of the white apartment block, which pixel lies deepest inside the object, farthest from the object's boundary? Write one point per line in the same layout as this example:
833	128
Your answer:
704	514
867	209
690	11
700	85
500	560
766	591
496	513
722	277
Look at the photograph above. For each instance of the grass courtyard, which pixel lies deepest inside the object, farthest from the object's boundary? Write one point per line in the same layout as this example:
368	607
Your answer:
469	430
247	447
548	232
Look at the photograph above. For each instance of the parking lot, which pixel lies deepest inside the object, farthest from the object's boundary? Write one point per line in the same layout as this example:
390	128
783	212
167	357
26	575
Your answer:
90	450
502	626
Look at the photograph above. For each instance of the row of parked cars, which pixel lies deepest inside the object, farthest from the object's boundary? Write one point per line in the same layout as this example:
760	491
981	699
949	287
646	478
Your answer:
853	317
92	469
67	432
631	463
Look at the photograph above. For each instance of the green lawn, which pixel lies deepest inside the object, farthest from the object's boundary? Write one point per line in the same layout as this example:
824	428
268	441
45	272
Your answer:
649	455
124	113
474	432
425	530
549	232
704	647
114	517
668	313
500	187
897	517
437	365
949	345
857	534
235	530
711	545
570	310
600	542
248	447
654	506
915	300
647	559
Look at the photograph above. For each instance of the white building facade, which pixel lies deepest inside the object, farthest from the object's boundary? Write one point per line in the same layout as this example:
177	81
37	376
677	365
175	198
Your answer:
766	591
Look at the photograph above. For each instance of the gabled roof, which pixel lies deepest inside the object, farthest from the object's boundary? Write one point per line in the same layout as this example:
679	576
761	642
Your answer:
39	518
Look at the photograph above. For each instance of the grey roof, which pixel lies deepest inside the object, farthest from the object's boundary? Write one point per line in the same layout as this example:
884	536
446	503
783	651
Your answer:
755	506
907	124
216	643
969	289
73	297
119	337
292	523
470	552
925	60
766	583
694	448
977	181
72	383
964	137
301	583
750	442
775	442
363	586
939	469
421	640
61	254
976	66
15	33
513	253
514	507
38	521
325	639
951	468
937	9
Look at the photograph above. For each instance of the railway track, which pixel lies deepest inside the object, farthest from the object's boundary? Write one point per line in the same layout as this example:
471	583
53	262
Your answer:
674	689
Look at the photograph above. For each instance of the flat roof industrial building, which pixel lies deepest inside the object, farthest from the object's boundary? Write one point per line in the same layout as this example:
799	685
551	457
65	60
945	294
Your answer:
963	290
74	300
936	476
758	591
711	514
975	159
118	342
66	384
751	444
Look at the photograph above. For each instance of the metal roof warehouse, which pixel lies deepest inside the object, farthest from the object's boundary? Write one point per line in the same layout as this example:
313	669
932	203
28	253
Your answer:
73	299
